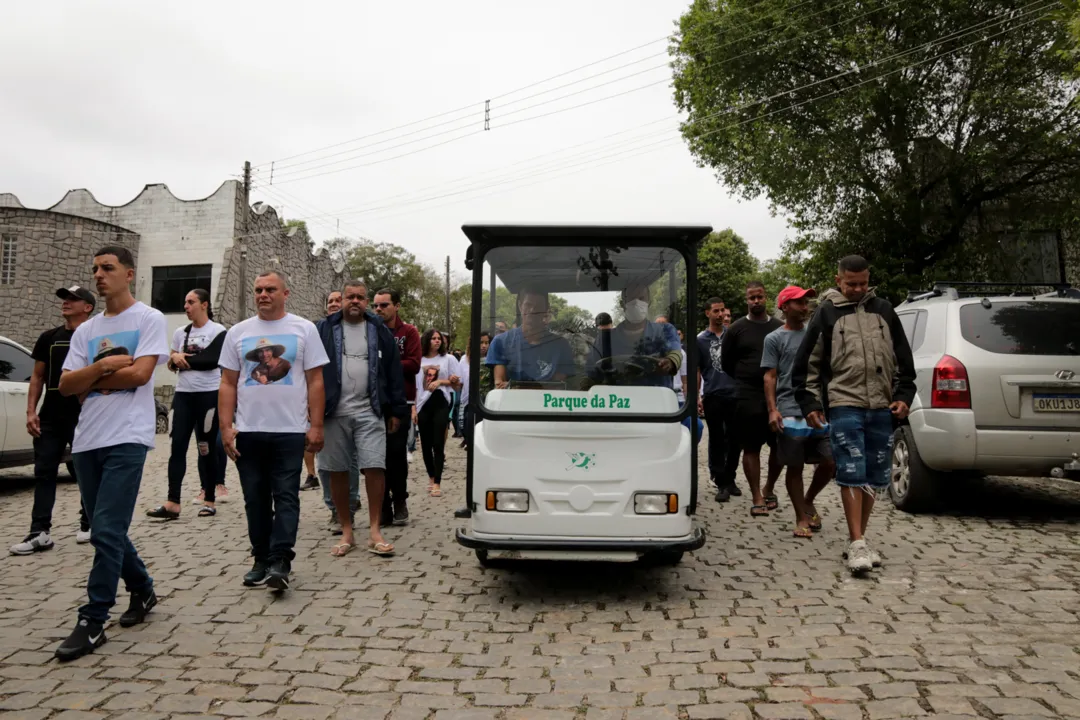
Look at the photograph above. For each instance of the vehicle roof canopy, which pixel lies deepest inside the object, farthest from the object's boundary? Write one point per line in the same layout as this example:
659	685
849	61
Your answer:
582	258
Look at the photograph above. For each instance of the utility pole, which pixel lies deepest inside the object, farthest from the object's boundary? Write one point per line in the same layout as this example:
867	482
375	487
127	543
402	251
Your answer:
448	329
245	228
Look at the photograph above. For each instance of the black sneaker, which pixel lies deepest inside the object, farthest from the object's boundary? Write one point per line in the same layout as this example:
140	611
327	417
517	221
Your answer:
258	574
83	640
278	576
734	490
334	526
140	607
311	483
723	494
401	514
463	513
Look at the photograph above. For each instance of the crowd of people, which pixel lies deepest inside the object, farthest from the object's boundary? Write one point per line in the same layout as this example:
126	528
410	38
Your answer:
348	396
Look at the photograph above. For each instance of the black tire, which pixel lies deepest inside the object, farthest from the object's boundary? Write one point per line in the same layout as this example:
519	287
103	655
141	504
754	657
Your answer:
913	486
162	424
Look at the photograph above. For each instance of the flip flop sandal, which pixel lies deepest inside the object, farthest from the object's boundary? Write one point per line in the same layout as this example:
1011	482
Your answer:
383	549
207	511
341	549
771	502
160	513
801	532
815	521
436	492
759	511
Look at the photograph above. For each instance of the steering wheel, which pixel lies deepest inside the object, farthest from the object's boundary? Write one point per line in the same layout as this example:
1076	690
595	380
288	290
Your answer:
629	364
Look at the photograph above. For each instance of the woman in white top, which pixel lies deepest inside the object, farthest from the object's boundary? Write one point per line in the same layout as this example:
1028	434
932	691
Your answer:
438	374
195	350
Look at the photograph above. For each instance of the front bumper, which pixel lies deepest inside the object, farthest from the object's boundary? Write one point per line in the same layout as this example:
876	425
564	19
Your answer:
693	541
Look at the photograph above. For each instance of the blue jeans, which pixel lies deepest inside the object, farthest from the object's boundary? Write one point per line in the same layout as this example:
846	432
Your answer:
354	486
109	480
411	442
861	442
269	467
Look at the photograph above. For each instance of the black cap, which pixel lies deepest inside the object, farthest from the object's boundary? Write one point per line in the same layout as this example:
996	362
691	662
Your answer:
76	292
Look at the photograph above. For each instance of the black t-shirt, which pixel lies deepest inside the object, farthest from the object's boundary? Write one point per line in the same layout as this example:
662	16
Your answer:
51	348
742	347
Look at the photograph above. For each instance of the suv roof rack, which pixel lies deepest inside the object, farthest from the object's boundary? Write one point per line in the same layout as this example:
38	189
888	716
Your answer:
936	292
975	289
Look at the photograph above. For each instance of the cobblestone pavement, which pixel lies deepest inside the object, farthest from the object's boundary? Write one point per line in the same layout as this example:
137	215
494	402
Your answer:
974	614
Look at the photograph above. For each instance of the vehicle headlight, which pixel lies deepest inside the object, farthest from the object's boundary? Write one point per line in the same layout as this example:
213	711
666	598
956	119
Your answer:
656	503
507	501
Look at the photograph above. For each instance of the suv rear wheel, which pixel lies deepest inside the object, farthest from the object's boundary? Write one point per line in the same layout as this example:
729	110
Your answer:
914	486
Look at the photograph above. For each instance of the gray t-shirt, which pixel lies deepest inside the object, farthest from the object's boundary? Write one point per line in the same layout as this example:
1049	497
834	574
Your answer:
354	370
781	347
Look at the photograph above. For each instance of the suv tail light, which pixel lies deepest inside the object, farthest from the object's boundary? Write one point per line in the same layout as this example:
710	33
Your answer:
950	389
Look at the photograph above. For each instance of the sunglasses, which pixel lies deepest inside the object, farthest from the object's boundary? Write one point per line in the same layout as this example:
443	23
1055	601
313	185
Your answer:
383	305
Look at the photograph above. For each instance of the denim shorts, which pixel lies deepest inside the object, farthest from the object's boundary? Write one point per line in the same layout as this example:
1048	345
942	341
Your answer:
861	443
361	436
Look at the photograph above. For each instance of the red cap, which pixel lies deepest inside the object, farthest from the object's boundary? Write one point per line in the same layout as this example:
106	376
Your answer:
793	292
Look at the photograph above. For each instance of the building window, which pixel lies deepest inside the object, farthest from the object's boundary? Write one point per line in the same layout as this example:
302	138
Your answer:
174	282
7	260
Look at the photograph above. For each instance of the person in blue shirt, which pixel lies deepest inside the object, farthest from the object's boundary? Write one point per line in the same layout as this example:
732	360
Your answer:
637	336
530	353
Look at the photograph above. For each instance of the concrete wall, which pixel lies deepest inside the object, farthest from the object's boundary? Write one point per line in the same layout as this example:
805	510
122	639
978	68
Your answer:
167	230
173	232
266	245
53	250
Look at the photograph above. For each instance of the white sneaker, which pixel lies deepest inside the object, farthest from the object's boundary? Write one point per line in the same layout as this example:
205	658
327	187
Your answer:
410	458
858	557
32	544
82	537
875	558
199	499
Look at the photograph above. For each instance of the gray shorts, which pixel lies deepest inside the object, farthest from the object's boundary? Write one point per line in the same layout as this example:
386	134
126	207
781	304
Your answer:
795	451
361	435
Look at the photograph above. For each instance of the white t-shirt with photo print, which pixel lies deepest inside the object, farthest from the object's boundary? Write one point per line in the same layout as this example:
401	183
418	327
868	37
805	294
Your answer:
198	339
440	367
115	417
271	357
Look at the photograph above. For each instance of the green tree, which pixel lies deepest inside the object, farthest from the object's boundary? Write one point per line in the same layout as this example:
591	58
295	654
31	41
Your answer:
909	135
725	265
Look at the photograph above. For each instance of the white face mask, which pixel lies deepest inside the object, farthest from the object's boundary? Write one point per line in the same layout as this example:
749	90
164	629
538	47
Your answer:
636	311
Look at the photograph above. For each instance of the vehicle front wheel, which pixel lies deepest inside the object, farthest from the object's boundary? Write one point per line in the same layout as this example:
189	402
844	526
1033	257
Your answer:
162	424
914	487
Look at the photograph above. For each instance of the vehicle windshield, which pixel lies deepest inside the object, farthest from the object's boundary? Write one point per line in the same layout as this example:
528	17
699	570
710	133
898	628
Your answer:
583	329
1026	327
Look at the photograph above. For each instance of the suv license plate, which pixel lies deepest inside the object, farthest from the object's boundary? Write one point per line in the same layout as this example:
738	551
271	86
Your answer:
1056	403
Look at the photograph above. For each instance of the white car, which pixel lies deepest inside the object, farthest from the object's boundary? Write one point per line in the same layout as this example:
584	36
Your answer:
998	391
16	368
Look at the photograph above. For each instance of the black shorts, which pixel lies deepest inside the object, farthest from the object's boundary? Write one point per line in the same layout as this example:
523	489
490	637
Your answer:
795	451
752	424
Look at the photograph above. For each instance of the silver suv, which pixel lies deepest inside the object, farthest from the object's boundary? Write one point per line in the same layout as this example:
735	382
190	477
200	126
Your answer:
998	390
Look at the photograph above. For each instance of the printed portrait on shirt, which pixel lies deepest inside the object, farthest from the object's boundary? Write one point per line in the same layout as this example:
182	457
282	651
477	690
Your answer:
268	360
117	343
431	374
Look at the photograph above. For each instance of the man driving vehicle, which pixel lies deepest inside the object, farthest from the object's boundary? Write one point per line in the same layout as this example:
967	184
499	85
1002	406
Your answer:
531	352
643	352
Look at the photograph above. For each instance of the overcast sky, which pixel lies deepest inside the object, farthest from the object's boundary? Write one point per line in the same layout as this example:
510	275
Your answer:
112	96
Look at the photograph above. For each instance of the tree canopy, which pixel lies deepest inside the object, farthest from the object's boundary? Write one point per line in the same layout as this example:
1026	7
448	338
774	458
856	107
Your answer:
914	135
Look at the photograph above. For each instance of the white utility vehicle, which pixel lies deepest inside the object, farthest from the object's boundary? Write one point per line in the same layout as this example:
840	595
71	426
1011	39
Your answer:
578	450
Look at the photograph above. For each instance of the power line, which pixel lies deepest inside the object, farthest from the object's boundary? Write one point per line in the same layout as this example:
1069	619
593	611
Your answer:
292	175
470	105
656	145
633	140
512	92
